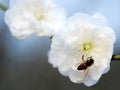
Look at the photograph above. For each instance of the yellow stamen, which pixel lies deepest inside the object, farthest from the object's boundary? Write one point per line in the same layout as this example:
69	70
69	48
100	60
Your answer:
87	46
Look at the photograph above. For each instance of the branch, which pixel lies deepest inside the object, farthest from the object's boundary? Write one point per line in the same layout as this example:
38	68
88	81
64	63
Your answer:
115	58
3	7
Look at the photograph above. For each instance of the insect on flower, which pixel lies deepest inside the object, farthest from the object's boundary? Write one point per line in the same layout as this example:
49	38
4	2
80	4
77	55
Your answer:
85	65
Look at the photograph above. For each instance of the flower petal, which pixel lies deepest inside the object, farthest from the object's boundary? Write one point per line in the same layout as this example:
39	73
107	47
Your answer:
76	76
88	81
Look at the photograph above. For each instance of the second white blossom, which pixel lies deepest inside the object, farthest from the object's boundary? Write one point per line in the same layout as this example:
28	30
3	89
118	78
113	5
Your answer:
43	17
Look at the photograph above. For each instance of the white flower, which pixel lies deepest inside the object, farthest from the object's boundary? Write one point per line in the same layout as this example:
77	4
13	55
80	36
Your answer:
43	17
82	50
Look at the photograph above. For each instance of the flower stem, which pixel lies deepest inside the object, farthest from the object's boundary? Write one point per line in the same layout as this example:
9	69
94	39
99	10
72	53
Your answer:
115	58
3	7
51	39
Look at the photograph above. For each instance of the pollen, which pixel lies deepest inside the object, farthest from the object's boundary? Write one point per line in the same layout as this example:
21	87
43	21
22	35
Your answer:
84	47
87	46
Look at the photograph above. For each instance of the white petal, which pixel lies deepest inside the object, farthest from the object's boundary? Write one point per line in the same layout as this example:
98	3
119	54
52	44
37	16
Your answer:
56	59
76	76
88	81
87	20
64	69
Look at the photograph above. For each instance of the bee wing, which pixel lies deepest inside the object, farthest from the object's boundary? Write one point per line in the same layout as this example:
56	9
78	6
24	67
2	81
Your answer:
85	72
77	64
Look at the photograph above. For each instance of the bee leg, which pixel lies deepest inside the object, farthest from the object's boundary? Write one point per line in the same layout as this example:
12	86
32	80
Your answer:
86	72
83	58
80	62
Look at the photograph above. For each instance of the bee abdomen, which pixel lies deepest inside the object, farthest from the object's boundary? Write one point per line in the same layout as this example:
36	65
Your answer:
81	67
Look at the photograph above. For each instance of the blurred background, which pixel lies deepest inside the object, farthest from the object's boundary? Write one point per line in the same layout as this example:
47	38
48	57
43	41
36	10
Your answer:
23	63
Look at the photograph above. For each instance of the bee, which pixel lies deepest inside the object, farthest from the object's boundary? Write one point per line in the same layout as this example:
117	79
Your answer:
85	65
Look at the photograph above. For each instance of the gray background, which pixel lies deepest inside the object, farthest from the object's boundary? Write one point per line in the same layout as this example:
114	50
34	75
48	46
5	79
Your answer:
23	63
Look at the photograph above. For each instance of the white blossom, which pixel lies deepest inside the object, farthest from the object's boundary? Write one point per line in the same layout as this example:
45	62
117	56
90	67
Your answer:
84	37
43	17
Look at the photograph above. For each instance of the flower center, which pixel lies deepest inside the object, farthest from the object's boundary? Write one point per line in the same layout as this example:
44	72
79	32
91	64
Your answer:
39	15
87	46
84	47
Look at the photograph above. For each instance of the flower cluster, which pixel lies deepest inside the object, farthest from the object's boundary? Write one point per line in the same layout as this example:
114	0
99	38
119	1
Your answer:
81	47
